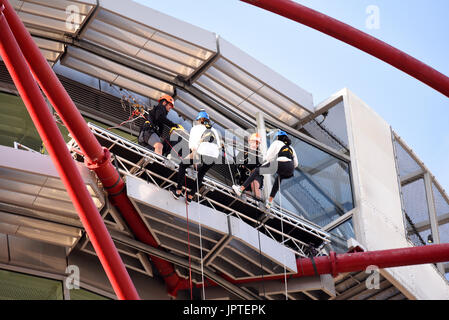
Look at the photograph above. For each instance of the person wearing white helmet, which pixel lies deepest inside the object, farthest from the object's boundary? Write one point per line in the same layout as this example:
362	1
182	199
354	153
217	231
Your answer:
205	146
280	156
151	130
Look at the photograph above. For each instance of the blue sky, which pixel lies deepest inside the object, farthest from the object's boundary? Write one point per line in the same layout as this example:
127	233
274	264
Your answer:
323	65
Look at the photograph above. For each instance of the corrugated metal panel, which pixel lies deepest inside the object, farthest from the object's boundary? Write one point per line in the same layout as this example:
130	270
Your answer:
223	242
116	74
54	16
241	82
150	37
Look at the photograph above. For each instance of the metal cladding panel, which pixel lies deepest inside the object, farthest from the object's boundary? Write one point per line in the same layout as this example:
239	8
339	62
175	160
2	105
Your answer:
141	33
37	254
190	106
57	17
39	230
225	243
30	181
266	75
237	78
150	195
377	192
142	15
114	73
251	237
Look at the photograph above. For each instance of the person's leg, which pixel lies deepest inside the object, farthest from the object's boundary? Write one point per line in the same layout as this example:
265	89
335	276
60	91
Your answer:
181	177
156	142
285	171
250	179
275	189
158	147
201	173
255	186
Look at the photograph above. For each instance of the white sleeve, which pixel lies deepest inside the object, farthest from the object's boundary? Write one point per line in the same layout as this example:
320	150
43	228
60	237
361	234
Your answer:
195	137
295	157
217	134
272	152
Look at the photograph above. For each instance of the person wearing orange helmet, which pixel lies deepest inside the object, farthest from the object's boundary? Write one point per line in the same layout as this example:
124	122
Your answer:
151	131
247	161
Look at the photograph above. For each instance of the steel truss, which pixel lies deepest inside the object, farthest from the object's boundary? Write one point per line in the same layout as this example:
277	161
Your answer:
127	167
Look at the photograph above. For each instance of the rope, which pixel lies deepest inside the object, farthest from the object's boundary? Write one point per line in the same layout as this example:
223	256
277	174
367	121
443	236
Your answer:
282	231
188	230
229	166
261	266
188	243
201	241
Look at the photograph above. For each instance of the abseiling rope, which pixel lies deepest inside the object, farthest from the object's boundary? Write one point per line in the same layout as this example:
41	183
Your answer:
282	231
201	241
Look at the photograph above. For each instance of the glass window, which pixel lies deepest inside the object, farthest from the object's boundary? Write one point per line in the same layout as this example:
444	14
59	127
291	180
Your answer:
320	190
18	286
330	128
81	294
340	235
16	124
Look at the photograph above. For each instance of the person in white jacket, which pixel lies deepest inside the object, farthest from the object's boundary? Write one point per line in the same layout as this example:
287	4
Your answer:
281	159
204	145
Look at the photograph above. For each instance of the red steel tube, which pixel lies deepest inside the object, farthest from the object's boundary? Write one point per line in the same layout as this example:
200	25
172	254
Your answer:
115	187
335	264
356	38
55	92
54	142
97	158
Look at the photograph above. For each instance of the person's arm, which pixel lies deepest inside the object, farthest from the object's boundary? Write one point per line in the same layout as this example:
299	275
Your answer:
295	158
195	137
272	152
217	135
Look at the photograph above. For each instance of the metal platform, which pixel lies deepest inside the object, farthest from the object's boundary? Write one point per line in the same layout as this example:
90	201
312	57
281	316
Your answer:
221	241
132	159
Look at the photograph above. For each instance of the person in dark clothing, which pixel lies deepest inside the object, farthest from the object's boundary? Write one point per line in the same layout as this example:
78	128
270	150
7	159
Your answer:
205	146
247	161
151	131
281	157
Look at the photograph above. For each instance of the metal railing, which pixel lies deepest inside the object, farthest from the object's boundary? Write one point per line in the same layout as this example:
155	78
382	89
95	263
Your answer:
128	167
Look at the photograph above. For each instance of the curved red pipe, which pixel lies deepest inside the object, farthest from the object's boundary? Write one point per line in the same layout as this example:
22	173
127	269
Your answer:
97	158
335	264
67	170
356	38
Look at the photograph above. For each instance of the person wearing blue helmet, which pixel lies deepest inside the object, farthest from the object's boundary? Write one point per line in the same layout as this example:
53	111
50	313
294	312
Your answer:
281	157
205	146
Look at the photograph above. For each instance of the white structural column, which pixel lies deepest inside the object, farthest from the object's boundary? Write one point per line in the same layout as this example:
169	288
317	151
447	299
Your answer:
263	149
432	214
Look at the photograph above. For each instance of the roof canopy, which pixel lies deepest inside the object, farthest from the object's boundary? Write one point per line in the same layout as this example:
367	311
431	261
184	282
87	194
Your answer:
179	51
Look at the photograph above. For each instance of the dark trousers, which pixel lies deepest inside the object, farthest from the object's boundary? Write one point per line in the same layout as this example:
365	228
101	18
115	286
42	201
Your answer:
284	170
204	166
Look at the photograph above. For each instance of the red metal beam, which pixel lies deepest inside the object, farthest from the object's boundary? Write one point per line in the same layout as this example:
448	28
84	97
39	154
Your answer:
335	264
97	158
356	38
55	144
